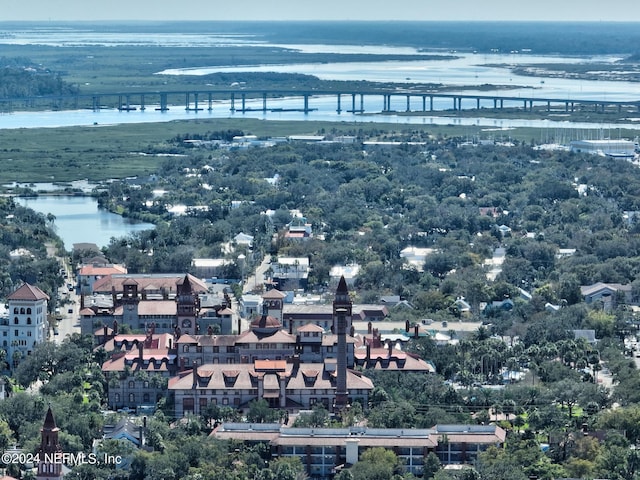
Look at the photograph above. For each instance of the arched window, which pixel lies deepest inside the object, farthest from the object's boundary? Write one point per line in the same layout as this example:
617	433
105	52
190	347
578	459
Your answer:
15	320
22	310
145	398
116	397
28	311
15	310
132	398
132	384
28	320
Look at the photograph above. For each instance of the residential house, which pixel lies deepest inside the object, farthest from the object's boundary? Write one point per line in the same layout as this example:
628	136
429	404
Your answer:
349	272
416	256
290	273
210	267
607	295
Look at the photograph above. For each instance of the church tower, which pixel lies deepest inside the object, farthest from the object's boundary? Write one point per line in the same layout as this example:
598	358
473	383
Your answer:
50	466
342	308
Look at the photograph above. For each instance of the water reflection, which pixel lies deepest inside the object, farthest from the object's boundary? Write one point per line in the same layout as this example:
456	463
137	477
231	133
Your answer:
79	220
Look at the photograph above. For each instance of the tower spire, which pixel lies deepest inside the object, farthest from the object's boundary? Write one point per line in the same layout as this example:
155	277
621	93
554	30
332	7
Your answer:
48	468
342	310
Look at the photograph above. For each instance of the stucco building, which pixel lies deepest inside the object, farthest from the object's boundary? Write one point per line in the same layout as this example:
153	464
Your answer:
26	324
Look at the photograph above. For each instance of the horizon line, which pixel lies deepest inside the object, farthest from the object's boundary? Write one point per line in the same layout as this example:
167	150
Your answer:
315	20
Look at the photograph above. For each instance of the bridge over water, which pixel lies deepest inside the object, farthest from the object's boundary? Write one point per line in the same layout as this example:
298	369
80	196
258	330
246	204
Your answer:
369	101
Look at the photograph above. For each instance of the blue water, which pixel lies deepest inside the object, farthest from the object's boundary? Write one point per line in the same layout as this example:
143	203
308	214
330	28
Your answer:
79	220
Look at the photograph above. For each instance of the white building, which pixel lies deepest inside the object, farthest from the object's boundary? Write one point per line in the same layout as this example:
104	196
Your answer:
290	273
416	256
349	272
26	324
609	148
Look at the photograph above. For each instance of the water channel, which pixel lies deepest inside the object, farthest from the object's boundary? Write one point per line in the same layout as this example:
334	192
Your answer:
79	220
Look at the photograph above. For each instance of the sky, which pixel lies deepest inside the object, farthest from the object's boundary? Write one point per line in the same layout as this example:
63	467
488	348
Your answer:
426	10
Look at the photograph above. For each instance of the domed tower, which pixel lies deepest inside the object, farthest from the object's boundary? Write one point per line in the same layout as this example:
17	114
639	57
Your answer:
265	324
50	452
342	308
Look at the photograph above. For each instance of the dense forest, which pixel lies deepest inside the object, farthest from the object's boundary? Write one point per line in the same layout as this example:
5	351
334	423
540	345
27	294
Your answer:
24	235
20	77
367	205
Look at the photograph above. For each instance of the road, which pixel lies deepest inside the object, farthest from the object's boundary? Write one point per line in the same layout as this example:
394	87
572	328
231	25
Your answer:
67	301
257	278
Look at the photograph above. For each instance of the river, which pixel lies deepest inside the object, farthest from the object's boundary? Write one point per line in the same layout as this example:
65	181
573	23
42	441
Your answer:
466	70
79	220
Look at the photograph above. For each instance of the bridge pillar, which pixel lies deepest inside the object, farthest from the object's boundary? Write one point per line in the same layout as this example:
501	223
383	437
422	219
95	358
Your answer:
187	100
306	103
195	95
548	106
572	107
478	103
210	101
566	106
163	102
455	103
361	103
244	102
264	102
459	103
525	105
353	103
233	102
424	103
431	103
408	103
495	103
339	108
96	103
142	107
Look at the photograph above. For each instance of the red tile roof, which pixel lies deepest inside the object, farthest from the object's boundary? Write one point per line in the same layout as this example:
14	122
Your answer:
273	294
28	292
169	282
101	270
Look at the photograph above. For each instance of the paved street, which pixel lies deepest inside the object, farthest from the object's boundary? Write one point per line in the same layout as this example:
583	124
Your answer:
68	302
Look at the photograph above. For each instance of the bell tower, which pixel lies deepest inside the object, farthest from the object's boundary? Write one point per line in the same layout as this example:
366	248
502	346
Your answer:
187	307
50	452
